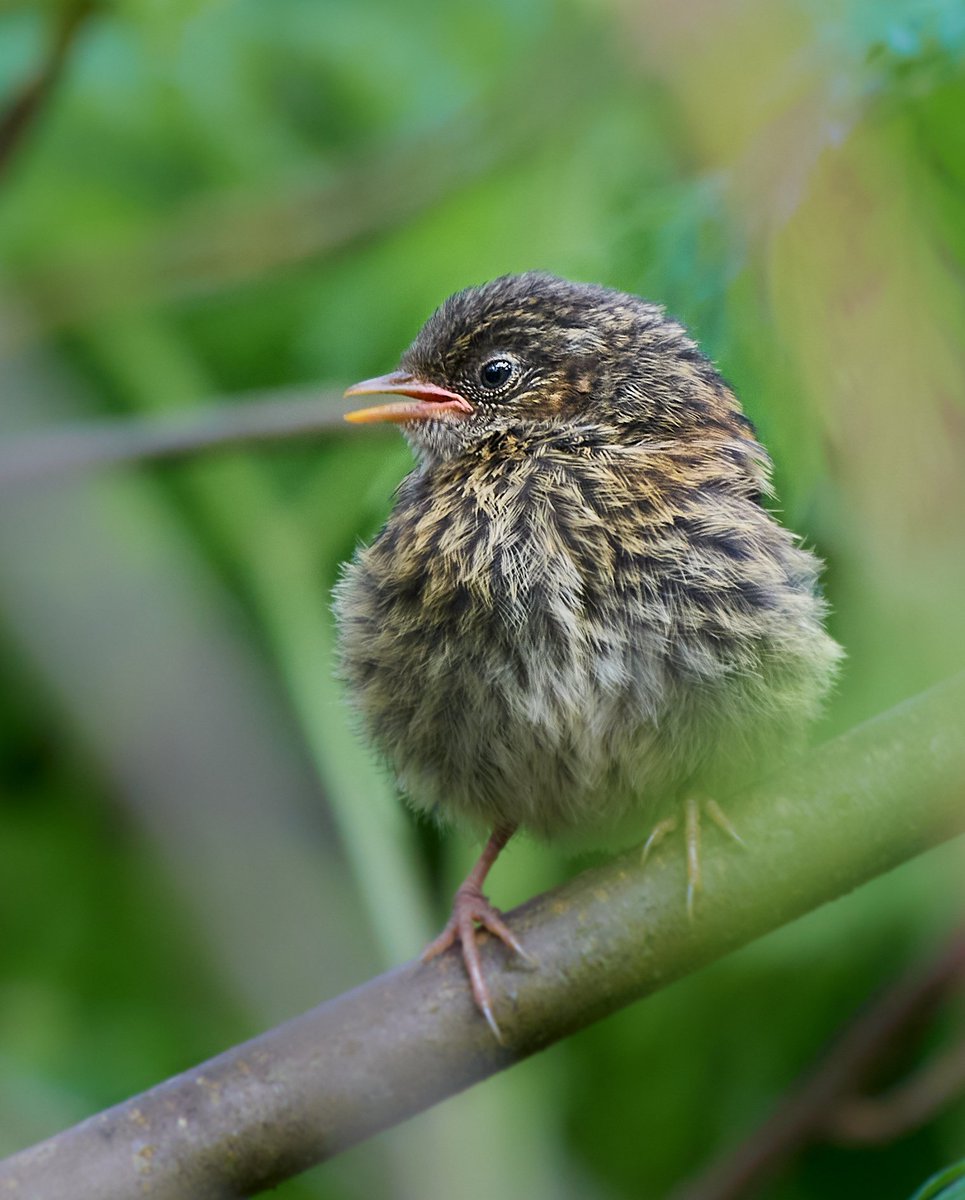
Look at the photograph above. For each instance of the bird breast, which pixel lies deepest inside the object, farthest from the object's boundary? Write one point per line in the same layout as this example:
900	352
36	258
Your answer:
542	641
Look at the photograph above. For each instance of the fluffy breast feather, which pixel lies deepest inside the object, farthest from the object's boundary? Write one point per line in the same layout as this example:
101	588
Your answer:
559	633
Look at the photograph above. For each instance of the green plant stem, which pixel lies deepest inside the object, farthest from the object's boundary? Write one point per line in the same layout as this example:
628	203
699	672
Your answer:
265	1110
279	565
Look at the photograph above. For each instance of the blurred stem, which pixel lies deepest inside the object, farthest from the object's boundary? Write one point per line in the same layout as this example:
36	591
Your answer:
281	567
261	1112
874	1120
27	104
823	1104
258	419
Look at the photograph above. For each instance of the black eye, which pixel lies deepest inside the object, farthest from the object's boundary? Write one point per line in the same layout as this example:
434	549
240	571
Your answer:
495	372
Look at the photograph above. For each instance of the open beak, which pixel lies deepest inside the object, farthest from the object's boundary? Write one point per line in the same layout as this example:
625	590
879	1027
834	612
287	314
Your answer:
423	400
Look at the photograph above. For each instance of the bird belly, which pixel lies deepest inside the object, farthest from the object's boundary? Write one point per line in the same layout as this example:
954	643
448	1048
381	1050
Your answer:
503	687
524	712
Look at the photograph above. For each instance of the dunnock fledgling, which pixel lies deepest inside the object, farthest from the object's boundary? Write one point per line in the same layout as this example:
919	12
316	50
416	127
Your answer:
579	608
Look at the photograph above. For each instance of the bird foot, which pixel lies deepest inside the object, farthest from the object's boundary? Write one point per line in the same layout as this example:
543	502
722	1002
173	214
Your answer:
469	909
692	822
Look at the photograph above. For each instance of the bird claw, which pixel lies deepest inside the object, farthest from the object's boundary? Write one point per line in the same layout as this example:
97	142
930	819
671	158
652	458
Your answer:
695	880
469	909
722	821
657	835
692	821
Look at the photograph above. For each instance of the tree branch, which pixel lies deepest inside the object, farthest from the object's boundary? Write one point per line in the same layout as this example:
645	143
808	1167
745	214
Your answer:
268	417
302	1092
27	104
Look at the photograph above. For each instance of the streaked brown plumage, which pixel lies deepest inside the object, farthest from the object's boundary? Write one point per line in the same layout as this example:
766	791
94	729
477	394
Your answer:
579	613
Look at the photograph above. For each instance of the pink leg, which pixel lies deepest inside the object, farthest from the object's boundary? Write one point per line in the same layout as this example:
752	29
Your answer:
469	908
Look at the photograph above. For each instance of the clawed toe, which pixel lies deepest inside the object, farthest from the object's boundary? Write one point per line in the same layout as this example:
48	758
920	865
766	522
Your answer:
657	835
468	911
692	831
722	821
471	908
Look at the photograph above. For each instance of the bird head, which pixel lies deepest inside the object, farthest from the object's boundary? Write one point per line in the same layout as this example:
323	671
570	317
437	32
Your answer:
533	354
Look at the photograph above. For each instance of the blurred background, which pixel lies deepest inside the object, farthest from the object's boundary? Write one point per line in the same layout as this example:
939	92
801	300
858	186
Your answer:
204	199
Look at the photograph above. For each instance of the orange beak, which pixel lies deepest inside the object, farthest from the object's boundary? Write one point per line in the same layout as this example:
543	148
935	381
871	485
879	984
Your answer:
424	400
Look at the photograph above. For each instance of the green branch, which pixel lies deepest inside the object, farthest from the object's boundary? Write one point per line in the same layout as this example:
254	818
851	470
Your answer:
302	1092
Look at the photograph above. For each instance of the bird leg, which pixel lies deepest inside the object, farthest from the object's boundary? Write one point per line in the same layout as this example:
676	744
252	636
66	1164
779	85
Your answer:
692	819
469	908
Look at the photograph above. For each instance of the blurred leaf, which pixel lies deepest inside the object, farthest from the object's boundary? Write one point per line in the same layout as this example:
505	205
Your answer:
946	1185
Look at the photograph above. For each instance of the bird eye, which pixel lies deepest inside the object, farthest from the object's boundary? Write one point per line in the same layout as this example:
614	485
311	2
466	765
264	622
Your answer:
495	372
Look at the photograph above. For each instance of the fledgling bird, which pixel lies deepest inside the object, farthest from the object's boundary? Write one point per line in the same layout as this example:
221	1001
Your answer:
579	615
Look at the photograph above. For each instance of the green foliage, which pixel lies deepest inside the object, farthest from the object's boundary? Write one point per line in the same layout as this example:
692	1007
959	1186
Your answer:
220	197
946	1185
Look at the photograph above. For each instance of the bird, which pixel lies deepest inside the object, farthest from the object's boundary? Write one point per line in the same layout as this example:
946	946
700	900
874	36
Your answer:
581	614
